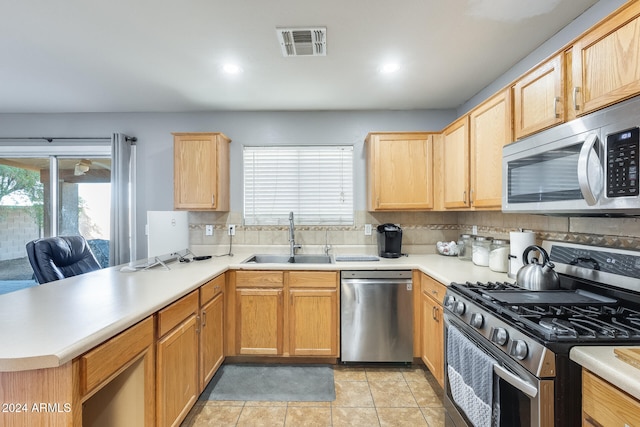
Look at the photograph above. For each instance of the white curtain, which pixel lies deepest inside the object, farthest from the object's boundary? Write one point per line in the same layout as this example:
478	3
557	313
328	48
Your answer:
121	204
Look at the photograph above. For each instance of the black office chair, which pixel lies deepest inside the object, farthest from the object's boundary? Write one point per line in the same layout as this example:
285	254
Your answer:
54	258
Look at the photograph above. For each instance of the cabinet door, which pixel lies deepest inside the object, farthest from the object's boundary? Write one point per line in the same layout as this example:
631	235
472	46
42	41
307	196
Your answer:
211	338
177	373
606	61
313	317
456	164
399	168
490	125
539	98
432	337
259	321
432	327
201	171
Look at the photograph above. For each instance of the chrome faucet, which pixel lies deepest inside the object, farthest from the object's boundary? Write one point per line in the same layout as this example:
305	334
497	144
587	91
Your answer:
292	237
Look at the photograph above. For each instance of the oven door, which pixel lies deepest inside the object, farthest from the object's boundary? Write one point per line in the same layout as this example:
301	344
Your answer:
525	400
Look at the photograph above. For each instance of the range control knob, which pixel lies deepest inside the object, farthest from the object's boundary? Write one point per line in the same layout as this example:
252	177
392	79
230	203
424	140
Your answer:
459	308
500	336
477	320
449	301
519	349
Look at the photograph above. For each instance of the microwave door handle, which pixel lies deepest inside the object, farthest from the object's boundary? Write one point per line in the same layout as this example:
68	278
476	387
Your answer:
516	381
590	173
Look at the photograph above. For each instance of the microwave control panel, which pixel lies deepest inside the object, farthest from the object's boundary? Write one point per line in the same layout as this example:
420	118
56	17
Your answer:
623	150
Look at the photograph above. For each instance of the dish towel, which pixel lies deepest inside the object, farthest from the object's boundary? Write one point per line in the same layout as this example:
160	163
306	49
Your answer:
471	379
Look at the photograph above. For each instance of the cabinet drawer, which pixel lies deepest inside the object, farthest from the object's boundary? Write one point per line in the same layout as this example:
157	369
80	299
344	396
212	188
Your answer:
433	288
605	405
171	316
259	279
102	362
313	279
211	289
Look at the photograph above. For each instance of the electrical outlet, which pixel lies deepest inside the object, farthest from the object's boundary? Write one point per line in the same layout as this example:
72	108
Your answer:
231	230
474	229
367	229
208	230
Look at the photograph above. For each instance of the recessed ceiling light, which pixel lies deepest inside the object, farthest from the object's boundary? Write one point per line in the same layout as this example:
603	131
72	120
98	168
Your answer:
389	68
231	69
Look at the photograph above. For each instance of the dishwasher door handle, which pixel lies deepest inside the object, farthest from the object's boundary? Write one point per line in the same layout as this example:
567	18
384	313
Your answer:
366	282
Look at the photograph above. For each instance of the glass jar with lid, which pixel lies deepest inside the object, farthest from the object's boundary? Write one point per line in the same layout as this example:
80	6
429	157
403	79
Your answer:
464	247
499	255
480	248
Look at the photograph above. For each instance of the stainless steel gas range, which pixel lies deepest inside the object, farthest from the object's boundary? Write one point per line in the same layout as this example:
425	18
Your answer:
519	340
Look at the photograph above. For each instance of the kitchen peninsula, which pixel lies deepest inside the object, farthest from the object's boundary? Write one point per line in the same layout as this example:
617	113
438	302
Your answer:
73	339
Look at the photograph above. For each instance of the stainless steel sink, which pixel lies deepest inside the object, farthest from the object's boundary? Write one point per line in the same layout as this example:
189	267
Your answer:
286	259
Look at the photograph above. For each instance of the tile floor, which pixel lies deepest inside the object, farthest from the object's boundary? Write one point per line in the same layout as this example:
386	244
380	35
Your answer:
365	396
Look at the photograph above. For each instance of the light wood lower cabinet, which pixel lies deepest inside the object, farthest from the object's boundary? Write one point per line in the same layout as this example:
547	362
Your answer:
211	328
117	379
432	343
177	360
259	326
278	313
313	313
605	405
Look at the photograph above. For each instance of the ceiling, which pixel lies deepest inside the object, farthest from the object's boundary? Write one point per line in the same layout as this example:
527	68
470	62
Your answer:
167	56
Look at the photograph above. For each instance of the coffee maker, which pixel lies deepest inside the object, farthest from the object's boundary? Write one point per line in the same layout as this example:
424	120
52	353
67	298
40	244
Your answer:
389	241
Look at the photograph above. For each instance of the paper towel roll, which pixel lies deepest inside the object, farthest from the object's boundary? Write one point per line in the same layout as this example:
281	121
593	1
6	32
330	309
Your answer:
519	241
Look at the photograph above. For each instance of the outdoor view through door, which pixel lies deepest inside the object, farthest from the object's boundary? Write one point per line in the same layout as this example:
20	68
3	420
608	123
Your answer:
29	208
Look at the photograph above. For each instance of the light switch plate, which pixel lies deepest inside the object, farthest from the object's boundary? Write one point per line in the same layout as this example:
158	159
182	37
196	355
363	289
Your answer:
208	230
367	229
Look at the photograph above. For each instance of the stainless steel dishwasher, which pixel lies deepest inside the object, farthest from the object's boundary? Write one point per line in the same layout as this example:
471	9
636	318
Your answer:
376	316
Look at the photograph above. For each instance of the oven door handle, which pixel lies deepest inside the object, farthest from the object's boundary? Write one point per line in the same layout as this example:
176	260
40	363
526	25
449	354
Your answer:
516	381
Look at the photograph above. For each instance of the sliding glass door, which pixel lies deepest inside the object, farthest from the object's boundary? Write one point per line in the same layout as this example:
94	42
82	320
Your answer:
67	193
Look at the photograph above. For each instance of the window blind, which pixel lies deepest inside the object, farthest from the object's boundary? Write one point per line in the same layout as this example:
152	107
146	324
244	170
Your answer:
315	182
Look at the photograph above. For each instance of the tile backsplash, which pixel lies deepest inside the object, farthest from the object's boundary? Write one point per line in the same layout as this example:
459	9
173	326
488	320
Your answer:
421	230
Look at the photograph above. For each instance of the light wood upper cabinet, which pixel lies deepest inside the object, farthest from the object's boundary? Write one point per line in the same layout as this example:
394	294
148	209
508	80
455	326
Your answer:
490	125
606	405
455	164
539	101
432	327
399	171
201	171
606	61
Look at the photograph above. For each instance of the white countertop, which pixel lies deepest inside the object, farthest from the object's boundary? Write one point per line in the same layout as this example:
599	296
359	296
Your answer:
603	362
48	325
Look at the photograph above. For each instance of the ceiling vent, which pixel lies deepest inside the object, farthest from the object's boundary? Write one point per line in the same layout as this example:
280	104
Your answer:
303	41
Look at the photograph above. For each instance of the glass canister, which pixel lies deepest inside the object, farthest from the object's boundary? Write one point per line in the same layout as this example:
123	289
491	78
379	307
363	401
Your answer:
480	248
499	255
464	247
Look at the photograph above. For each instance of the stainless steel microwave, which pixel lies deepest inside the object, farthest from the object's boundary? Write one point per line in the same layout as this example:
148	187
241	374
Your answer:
588	166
